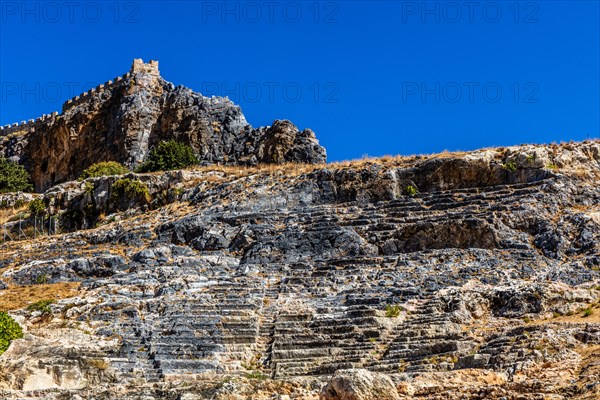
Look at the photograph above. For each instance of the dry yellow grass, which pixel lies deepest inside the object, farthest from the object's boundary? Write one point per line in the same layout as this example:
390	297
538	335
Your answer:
17	297
7	214
588	371
578	317
589	351
295	169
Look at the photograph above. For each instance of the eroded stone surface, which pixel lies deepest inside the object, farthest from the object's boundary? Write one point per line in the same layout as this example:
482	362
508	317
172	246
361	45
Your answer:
359	384
262	283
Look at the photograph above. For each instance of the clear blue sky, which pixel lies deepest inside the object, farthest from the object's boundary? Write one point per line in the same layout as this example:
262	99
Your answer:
370	77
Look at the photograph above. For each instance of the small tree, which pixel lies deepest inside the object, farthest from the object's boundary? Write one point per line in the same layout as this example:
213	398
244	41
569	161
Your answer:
9	330
13	177
105	168
167	156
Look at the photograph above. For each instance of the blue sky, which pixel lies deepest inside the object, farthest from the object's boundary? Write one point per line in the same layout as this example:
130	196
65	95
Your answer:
370	77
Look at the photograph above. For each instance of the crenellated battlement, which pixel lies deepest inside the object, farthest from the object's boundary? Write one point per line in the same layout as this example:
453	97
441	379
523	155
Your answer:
138	66
29	125
82	98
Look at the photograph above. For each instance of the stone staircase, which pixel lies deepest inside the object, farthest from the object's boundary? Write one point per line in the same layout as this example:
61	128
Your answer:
289	316
321	343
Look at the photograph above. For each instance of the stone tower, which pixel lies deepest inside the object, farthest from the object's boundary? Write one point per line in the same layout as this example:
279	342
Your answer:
139	66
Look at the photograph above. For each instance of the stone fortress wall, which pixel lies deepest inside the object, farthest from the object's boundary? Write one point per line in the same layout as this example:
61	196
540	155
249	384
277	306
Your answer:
27	126
82	98
138	66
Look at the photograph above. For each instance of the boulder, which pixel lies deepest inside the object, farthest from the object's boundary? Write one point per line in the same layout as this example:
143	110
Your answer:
359	384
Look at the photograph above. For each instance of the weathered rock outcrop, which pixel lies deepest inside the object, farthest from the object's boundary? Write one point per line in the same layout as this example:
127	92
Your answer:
481	282
359	384
122	120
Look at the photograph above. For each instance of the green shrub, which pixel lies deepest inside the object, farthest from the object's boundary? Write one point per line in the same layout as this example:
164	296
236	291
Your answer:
37	207
9	330
130	189
42	306
167	156
13	177
587	312
89	187
106	168
41	279
392	311
411	191
510	166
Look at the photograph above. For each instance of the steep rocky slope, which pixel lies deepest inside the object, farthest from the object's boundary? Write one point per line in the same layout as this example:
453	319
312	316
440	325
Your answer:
122	119
454	276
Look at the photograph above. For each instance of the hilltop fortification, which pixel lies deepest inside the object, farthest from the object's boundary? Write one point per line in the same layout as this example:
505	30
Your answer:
123	118
455	276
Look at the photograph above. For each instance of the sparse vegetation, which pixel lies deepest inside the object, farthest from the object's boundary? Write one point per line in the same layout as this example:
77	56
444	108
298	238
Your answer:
256	375
12	214
510	166
434	360
9	330
402	366
17	297
97	363
167	156
392	311
130	189
37	207
411	191
587	312
42	306
552	166
13	177
41	279
106	168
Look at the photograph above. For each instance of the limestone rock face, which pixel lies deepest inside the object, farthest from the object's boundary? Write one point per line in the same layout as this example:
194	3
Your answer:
359	384
64	359
283	142
122	120
308	281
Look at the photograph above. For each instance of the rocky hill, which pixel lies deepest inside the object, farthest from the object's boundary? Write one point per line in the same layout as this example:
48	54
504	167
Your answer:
452	276
122	119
